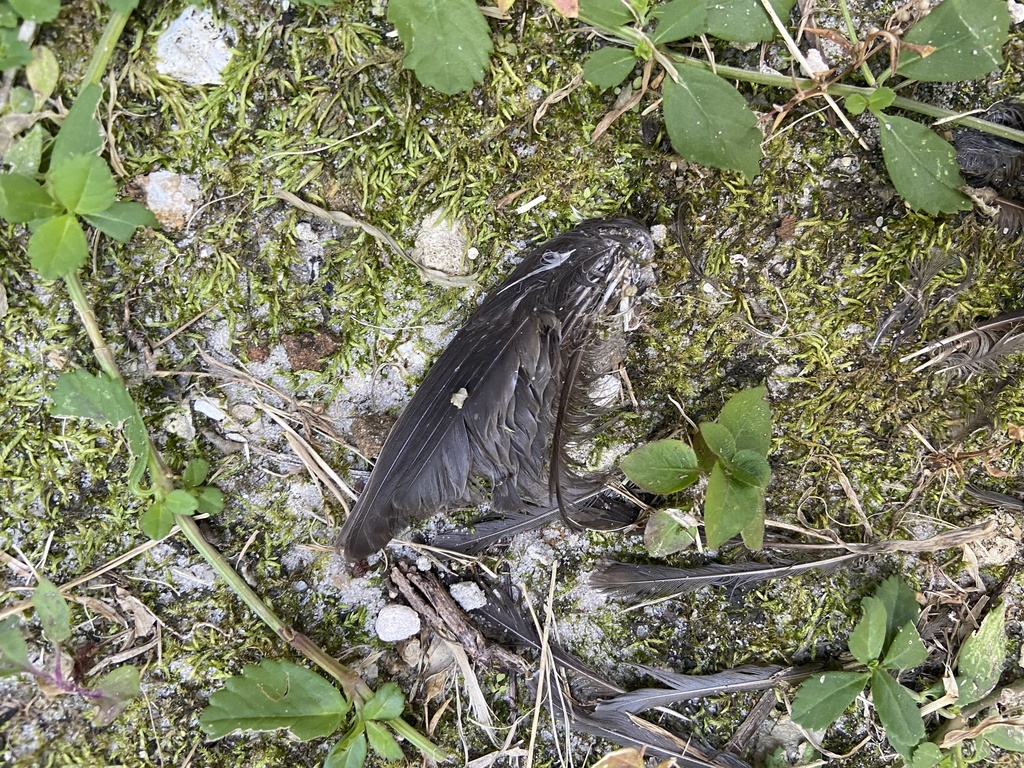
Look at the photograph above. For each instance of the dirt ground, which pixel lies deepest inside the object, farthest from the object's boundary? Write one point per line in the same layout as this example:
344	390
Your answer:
782	280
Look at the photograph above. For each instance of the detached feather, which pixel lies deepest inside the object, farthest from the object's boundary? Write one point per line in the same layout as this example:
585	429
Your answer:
749	677
497	403
648	582
976	349
988	160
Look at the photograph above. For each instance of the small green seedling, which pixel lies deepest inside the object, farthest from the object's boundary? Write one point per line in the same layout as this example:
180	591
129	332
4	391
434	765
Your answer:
279	695
111	694
734	453
886	641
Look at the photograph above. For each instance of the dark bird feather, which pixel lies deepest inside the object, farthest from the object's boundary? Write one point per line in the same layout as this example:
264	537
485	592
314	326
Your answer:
977	349
992	161
749	677
648	582
501	401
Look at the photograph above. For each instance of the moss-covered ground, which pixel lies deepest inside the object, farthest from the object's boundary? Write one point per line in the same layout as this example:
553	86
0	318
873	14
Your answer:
781	279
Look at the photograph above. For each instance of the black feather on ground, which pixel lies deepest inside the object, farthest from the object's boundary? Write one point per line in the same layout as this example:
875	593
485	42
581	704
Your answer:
982	348
506	397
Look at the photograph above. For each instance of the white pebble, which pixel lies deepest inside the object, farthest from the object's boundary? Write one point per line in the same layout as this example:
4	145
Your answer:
397	622
469	595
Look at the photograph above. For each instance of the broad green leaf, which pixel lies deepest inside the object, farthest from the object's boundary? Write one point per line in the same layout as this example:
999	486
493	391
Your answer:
748	468
196	472
121	219
14	53
967	35
22	100
609	66
745	21
23	199
447	42
753	532
1009	737
57	247
927	755
868	638
663	467
117	689
900	604
982	657
747	416
386	704
906	650
181	502
8	18
26	154
731	508
83	184
668	531
91	396
382	742
157	521
921	165
679	19
13	650
898	712
719	439
39	11
211	500
822	699
350	752
42	74
605	13
272	695
80	133
52	611
881	98
709	122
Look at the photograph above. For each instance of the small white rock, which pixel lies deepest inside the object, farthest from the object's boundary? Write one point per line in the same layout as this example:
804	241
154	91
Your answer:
171	197
193	49
209	408
469	595
441	244
397	622
1016	12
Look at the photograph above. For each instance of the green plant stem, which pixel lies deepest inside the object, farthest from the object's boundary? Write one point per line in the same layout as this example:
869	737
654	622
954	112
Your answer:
839	89
105	47
852	32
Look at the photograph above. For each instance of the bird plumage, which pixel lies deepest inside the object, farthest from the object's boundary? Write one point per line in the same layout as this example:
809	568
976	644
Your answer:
503	399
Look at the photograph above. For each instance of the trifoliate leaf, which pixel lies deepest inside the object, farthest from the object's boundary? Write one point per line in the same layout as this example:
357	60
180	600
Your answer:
80	133
386	704
709	122
25	156
42	74
748	468
181	502
921	165
273	695
680	19
898	712
967	37
52	611
58	247
982	657
927	755
906	650
447	42
822	699
157	521
83	184
747	416
121	219
211	500
868	638
117	689
23	199
382	742
745	21
607	67
731	508
663	466
900	604
196	472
